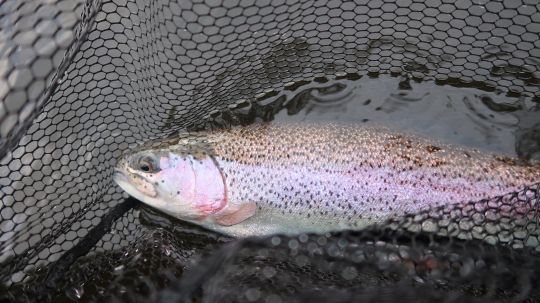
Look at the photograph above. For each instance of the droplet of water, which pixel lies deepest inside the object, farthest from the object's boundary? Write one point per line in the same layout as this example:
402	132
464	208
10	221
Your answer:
349	273
269	271
75	293
119	268
253	294
293	244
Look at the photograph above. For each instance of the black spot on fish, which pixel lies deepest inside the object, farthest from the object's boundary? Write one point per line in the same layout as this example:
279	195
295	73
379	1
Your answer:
506	160
432	148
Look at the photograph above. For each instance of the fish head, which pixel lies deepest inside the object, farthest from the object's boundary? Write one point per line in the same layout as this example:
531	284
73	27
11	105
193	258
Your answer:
185	186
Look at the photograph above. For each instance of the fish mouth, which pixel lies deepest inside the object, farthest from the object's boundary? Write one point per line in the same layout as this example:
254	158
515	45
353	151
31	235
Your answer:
134	184
121	179
119	175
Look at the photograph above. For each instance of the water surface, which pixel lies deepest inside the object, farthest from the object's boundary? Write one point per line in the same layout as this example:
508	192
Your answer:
476	118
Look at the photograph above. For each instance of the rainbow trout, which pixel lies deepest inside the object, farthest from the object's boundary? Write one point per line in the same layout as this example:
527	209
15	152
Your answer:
292	178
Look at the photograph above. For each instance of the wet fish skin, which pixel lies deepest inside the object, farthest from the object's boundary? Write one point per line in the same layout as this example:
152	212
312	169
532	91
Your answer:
312	177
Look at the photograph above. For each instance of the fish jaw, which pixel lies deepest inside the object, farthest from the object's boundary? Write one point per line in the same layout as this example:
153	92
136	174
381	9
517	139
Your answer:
135	186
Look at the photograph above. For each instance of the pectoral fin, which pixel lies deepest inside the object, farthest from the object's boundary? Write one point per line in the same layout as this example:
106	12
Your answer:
234	214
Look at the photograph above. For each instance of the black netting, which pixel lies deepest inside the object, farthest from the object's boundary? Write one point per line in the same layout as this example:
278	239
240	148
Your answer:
82	82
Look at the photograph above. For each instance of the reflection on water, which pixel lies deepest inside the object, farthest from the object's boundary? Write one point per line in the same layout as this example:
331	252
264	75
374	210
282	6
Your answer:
467	116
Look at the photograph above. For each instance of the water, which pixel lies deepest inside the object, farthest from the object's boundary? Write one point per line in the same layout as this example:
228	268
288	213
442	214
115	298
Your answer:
476	118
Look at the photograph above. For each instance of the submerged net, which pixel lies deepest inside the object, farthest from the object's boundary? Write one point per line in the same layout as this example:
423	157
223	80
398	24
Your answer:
80	82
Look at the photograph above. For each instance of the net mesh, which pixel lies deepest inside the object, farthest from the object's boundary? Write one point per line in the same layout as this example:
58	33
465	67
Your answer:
80	82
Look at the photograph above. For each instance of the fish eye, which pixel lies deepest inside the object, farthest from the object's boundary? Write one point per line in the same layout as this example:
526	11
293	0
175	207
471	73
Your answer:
147	164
